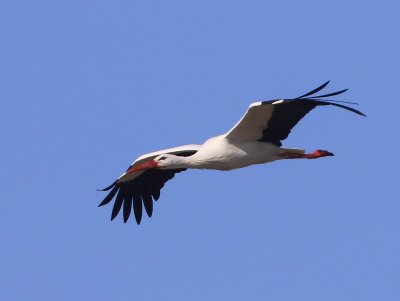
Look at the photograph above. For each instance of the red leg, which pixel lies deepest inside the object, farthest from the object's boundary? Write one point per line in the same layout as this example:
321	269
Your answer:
318	154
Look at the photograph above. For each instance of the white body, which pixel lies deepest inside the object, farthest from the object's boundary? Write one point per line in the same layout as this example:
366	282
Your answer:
238	148
219	153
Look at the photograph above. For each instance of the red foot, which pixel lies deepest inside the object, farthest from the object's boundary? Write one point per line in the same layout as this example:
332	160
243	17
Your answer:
318	154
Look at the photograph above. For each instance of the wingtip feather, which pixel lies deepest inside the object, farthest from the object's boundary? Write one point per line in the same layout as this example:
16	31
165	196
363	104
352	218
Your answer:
315	90
108	187
109	197
330	94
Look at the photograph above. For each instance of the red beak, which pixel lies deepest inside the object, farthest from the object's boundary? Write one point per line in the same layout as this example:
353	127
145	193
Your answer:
143	166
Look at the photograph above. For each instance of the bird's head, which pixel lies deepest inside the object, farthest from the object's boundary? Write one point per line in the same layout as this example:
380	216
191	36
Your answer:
167	160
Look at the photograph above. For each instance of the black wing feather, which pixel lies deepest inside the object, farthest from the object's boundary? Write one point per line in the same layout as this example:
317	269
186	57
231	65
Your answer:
110	196
118	202
284	117
141	189
287	114
137	204
127	207
330	94
314	91
156	194
148	204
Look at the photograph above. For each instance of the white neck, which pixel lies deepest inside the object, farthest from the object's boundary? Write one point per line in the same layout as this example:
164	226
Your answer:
184	162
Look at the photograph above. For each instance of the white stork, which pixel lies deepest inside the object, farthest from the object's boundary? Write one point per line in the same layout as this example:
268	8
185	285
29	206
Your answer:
255	139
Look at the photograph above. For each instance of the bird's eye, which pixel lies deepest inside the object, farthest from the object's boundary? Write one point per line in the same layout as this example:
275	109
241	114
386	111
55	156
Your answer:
162	158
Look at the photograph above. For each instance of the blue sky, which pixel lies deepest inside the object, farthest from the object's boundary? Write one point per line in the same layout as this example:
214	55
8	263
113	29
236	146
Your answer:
87	86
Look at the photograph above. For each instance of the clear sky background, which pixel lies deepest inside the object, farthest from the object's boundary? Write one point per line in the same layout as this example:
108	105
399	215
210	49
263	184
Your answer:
87	86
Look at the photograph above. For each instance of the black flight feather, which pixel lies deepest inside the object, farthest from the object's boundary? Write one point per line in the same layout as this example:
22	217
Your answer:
284	117
286	114
118	203
330	94
110	195
109	187
139	191
148	204
137	206
341	106
315	90
127	204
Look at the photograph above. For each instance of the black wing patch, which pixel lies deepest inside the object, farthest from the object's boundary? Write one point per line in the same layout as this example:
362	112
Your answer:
284	117
288	113
140	191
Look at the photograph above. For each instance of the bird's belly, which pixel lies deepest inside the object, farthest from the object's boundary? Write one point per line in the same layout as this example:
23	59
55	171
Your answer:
238	156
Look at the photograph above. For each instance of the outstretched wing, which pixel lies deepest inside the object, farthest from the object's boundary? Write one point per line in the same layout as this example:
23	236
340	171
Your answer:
271	121
138	189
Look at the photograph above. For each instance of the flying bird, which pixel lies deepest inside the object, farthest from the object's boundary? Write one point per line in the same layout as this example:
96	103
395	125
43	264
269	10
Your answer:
255	139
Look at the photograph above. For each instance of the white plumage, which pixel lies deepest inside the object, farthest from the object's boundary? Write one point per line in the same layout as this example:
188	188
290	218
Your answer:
255	139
